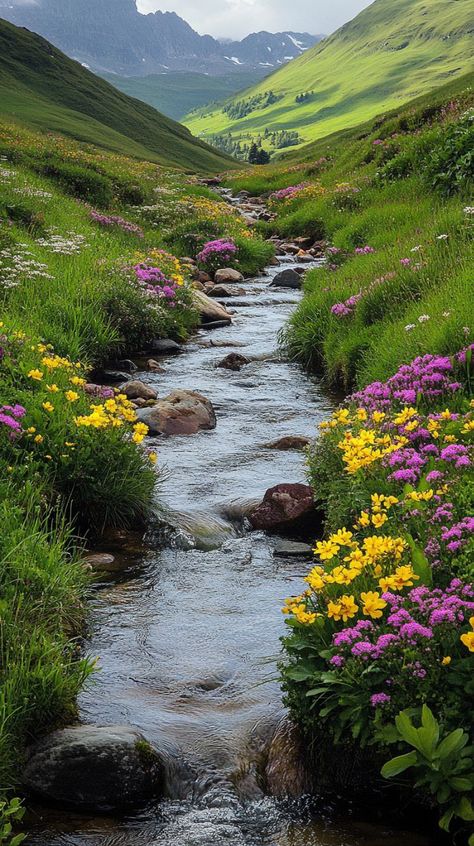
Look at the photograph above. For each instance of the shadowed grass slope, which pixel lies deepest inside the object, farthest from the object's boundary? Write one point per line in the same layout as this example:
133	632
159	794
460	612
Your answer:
46	90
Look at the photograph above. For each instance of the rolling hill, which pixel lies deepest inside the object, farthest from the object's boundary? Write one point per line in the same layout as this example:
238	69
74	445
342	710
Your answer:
42	88
390	53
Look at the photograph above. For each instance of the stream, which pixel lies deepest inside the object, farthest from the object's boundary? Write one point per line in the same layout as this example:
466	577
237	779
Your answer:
187	633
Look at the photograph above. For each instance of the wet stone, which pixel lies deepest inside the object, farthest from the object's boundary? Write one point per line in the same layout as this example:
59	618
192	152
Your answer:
292	549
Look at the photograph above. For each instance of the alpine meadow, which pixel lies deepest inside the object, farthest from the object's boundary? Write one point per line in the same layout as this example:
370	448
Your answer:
236	423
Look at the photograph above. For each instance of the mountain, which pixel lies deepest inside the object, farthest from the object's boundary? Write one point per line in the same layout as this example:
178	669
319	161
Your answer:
391	52
112	36
41	87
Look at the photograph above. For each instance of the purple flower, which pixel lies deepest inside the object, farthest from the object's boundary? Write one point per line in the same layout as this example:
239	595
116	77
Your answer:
378	700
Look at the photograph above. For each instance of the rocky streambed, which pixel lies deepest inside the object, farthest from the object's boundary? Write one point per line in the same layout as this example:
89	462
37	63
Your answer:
187	624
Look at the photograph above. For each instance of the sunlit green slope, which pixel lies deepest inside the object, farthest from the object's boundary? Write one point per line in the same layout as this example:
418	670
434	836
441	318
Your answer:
391	52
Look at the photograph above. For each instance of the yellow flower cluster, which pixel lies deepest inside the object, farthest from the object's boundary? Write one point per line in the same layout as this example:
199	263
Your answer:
374	562
366	447
468	638
111	414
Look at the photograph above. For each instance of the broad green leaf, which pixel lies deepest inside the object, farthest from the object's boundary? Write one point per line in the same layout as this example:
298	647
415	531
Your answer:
465	810
399	765
453	742
408	731
460	783
445	820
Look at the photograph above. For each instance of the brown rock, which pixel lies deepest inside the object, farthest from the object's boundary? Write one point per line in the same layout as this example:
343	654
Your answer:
180	413
233	361
227	275
289	442
138	390
286	772
100	560
209	310
226	291
154	366
287	507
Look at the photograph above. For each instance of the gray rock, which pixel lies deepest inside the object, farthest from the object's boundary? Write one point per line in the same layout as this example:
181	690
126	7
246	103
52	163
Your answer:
226	275
114	376
209	310
99	768
292	549
165	346
287	279
128	365
138	390
217	324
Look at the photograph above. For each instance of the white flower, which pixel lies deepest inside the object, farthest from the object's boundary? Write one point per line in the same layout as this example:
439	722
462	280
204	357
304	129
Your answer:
442	237
446	314
410	327
423	318
416	249
469	210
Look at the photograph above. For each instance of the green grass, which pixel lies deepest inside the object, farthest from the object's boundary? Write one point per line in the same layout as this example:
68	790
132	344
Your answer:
389	54
397	195
44	89
179	92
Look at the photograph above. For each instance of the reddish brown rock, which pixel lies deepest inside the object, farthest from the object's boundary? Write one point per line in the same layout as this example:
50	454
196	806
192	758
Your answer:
286	507
289	442
233	361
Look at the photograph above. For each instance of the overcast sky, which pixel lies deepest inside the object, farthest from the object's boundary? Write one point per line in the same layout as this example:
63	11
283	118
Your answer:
236	18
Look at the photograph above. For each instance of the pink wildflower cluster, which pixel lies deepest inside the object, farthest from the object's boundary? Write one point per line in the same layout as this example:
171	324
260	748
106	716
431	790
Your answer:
291	191
364	251
115	220
427	377
155	283
348	307
217	253
414	636
10	417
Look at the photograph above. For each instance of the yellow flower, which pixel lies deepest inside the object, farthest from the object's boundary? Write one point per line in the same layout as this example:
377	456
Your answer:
361	414
153	457
405	415
446	661
378	520
421	496
38	439
468	640
71	396
450	439
37	375
76	380
403	577
373	604
348	607
342	537
364	520
48	406
315	579
69	443
446	414
326	550
53	389
31	430
378	416
468	427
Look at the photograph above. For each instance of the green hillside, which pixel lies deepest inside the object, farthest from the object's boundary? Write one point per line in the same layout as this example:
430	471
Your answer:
389	54
42	88
177	93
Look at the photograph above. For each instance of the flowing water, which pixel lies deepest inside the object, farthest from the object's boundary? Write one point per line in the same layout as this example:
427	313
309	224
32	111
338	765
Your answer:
188	634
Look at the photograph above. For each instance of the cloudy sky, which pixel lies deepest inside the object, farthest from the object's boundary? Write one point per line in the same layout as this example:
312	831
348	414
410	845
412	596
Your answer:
236	18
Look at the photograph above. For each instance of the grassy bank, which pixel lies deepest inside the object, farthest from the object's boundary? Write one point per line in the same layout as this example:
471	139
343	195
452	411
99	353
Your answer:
378	655
393	202
89	273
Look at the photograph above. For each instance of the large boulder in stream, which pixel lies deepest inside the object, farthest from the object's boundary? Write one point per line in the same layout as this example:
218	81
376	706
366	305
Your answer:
209	310
138	390
98	768
286	279
227	275
180	413
287	508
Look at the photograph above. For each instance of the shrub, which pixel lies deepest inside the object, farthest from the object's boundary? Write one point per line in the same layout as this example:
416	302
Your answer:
83	183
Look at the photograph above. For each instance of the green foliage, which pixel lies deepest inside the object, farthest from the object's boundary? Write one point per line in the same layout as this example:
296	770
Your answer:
11	813
443	764
83	183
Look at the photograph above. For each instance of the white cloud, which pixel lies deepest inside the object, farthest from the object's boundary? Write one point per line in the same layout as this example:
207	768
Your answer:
236	18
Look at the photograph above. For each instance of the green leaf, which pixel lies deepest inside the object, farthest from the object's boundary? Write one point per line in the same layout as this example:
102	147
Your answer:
470	842
399	765
453	742
460	783
420	563
298	673
408	731
445	820
465	810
